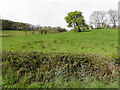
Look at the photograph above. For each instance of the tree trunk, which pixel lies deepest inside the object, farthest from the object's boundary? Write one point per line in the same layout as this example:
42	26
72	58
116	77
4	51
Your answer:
79	30
114	26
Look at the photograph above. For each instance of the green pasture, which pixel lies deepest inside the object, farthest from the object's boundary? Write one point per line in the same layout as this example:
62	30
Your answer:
101	42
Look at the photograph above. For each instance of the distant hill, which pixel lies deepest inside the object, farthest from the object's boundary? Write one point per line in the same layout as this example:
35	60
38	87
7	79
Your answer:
11	25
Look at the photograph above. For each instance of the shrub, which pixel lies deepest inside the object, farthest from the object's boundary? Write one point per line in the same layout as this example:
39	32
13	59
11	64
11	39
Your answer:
42	67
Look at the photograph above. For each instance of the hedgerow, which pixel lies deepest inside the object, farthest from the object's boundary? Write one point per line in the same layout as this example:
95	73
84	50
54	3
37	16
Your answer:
23	68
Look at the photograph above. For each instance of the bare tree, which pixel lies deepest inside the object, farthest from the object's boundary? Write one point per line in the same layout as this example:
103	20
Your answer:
94	19
113	17
98	19
103	19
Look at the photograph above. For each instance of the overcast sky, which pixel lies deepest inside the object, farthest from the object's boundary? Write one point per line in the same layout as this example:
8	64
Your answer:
51	12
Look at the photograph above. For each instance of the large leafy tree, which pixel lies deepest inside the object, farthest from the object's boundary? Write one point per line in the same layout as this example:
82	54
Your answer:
76	20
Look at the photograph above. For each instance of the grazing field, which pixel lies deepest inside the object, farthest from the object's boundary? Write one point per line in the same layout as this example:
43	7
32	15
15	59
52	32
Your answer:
101	42
60	60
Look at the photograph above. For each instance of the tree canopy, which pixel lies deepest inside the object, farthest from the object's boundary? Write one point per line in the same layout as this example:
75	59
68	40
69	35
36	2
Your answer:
11	25
76	20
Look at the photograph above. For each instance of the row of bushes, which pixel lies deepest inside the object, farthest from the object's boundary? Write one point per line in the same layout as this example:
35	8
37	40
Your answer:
28	67
45	30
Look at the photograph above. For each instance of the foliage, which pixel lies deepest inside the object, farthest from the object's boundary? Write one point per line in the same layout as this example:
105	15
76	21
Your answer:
11	25
75	19
19	26
22	68
46	30
6	24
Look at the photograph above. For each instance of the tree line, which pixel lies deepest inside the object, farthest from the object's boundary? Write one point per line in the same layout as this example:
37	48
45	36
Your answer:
11	25
104	19
98	20
49	29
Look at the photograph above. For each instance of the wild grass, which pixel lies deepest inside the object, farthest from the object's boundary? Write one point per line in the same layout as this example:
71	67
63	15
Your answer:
101	42
98	42
61	82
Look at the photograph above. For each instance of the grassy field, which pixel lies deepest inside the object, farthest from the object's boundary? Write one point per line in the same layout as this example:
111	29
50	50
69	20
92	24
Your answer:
101	42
